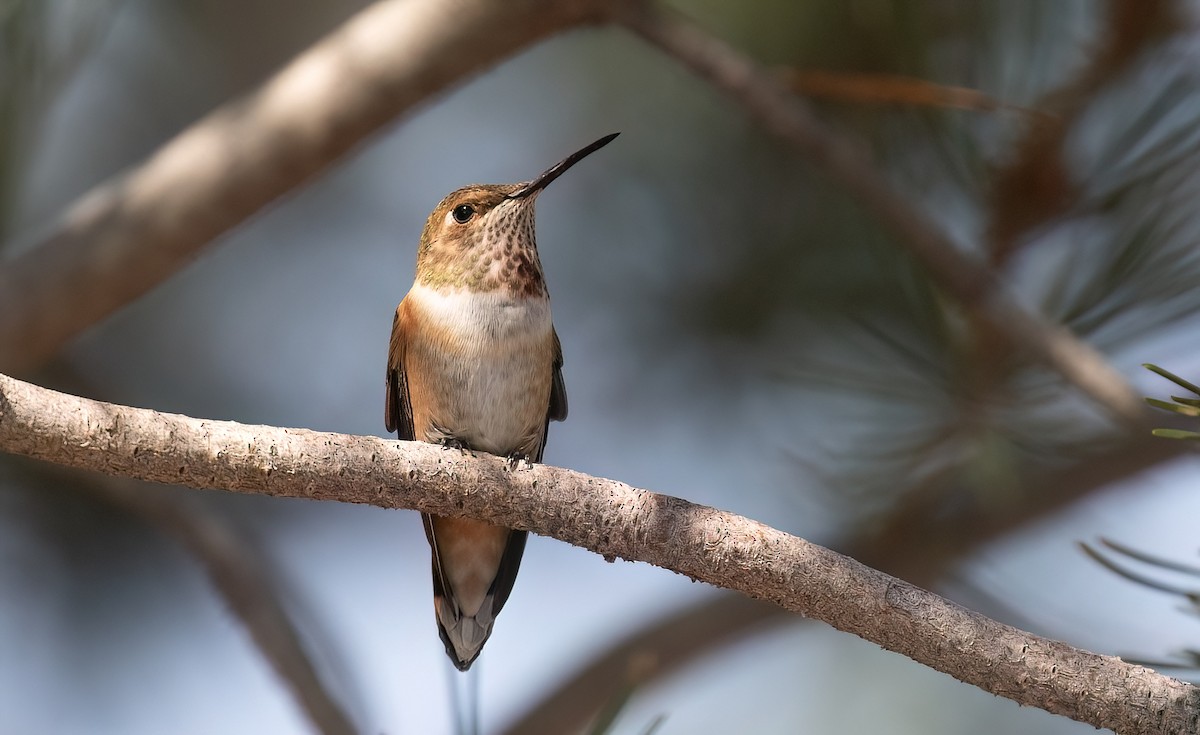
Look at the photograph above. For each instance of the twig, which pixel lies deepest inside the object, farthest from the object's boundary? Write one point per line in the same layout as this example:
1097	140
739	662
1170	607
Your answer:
124	237
1133	576
1151	559
894	89
1034	186
611	519
963	277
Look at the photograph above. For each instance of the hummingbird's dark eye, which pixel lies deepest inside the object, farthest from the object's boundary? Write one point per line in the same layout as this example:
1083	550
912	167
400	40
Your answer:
462	213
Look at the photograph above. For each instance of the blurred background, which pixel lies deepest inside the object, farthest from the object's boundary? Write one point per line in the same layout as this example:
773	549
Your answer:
737	331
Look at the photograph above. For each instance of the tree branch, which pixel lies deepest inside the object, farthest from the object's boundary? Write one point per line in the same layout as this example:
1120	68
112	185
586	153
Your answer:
965	278
124	237
610	518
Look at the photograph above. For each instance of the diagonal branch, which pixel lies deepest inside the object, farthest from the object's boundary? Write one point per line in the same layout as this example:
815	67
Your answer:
236	569
610	518
657	650
124	237
237	573
965	278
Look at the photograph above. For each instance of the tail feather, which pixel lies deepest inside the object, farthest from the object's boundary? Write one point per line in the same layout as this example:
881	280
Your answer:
463	633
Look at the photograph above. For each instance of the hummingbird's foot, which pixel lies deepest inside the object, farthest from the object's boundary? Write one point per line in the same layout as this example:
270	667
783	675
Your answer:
519	461
453	442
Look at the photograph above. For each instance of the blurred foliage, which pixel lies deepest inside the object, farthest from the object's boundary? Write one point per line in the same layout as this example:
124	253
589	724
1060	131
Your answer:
807	284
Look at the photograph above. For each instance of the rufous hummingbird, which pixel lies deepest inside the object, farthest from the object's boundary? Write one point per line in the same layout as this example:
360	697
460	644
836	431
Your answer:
474	363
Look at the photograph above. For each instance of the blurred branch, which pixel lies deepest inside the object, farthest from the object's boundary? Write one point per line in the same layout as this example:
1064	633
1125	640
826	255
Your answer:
919	540
1034	186
893	89
665	646
235	570
124	237
234	567
610	518
965	278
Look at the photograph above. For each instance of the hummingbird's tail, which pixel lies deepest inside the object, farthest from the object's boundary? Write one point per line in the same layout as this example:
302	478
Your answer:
472	579
463	635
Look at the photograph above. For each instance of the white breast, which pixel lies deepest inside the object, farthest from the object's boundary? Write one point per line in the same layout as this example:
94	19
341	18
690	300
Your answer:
480	317
495	371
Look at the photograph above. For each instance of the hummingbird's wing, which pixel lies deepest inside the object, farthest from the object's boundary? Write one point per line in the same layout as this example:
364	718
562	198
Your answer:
557	410
397	411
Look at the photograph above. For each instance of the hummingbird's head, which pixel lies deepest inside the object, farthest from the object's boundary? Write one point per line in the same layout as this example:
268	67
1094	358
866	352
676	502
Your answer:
481	237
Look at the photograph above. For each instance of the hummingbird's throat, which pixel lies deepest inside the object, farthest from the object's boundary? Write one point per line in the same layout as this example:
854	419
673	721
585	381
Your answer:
494	252
506	254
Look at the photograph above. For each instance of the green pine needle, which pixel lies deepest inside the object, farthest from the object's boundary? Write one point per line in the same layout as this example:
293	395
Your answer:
1173	378
1174	407
1175	434
1182	406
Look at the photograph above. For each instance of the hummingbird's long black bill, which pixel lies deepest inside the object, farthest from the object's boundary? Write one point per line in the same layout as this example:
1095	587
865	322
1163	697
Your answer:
557	169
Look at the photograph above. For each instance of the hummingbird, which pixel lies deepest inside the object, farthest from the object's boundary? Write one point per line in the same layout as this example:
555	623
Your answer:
474	363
